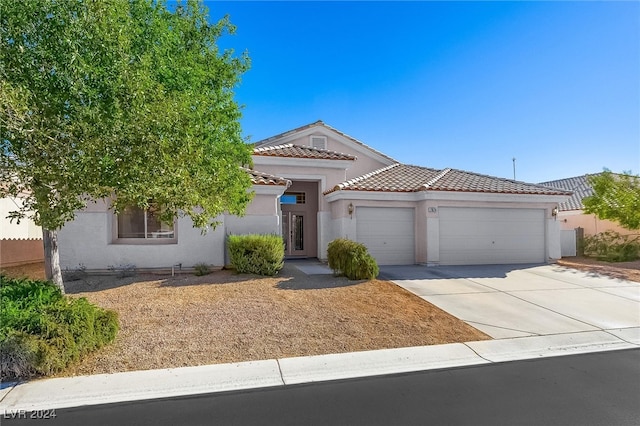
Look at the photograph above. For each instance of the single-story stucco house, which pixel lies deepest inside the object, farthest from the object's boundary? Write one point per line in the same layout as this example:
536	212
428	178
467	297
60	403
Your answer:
314	184
571	213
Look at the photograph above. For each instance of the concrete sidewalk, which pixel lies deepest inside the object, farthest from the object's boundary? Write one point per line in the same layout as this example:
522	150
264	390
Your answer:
532	311
140	385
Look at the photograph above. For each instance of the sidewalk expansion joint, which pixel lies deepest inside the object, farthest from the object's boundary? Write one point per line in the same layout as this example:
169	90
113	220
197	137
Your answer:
620	338
280	371
479	356
13	386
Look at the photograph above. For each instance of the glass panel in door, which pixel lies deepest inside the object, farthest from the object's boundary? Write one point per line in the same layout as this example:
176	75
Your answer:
293	232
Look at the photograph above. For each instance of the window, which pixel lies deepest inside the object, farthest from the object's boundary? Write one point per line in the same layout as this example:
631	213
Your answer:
292	198
318	142
136	223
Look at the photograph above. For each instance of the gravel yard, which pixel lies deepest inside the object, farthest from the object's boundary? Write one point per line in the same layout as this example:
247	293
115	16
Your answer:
621	270
226	317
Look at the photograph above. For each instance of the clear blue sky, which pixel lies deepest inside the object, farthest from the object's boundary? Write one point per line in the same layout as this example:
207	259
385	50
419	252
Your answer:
467	85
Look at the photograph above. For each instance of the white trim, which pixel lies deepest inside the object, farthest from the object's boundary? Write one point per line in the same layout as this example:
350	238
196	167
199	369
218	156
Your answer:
301	162
310	178
443	196
269	189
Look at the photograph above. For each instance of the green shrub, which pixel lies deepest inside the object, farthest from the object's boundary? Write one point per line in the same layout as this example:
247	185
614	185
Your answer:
42	331
610	246
256	254
201	269
351	259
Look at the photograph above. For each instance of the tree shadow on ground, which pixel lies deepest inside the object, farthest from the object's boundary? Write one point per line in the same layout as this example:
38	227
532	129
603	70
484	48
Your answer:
298	280
422	272
95	283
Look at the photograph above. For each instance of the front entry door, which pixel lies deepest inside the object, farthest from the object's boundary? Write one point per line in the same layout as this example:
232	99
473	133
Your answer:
293	224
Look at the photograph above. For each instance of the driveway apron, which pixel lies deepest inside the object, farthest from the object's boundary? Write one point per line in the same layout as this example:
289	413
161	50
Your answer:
506	301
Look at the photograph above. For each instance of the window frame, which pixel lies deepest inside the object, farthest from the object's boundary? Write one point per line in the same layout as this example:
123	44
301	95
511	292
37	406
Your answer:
300	198
115	239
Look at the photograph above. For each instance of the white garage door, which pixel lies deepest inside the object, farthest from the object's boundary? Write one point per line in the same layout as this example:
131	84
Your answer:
473	236
388	233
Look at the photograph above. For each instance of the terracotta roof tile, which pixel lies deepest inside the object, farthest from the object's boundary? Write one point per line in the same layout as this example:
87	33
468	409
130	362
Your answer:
297	151
406	178
316	124
259	178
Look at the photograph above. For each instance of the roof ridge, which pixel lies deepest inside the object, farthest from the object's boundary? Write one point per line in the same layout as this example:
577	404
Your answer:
435	179
357	141
537	185
271	148
273	151
362	177
288	132
326	126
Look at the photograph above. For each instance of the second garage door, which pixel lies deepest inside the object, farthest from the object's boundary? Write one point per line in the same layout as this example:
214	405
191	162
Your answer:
472	236
388	234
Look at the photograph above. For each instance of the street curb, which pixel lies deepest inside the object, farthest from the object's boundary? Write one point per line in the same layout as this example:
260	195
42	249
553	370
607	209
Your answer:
521	348
78	391
66	392
374	363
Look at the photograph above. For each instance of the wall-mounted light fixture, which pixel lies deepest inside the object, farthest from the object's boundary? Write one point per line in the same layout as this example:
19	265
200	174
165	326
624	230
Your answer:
350	209
554	212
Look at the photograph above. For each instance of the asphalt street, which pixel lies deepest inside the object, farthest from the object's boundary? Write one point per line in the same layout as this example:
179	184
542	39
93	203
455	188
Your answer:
591	389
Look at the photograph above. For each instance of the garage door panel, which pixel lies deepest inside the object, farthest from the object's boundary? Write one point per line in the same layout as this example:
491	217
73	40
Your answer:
388	234
491	235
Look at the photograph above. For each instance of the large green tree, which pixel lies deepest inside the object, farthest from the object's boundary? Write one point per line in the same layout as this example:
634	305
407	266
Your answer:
616	197
124	99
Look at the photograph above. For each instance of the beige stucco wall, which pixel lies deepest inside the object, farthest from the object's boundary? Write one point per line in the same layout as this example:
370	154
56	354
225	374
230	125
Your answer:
591	224
324	176
89	239
427	236
365	162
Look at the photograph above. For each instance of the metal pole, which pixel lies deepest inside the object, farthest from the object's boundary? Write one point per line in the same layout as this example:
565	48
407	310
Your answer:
514	168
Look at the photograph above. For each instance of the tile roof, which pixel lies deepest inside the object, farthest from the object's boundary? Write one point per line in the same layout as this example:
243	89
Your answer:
580	187
259	178
406	178
297	151
326	126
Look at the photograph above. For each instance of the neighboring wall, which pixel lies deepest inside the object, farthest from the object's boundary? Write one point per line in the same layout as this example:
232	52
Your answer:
20	252
26	229
590	223
20	243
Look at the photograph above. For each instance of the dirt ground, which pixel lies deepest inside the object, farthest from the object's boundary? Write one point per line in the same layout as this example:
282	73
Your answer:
227	317
621	270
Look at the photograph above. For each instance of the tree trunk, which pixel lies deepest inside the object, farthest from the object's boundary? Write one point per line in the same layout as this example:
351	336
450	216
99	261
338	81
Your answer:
52	258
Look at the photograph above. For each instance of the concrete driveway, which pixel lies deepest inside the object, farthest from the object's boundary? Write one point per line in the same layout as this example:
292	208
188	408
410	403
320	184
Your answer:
507	301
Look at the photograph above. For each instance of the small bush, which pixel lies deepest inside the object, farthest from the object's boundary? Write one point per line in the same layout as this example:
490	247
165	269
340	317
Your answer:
610	246
42	331
351	259
123	271
256	254
75	274
201	269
